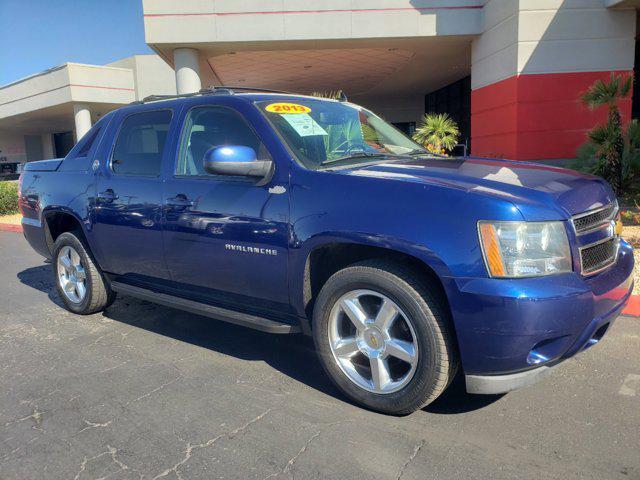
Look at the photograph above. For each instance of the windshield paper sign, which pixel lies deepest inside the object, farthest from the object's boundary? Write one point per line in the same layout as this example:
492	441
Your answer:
304	125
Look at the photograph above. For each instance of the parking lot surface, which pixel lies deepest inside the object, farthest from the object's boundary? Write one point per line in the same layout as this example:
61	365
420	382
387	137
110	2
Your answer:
142	391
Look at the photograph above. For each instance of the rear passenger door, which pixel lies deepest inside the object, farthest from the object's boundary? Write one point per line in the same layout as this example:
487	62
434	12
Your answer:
128	204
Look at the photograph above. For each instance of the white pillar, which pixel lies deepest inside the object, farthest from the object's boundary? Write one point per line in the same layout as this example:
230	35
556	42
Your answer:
47	146
82	117
185	61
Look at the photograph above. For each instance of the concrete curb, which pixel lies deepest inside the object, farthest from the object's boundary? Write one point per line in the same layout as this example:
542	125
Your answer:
632	309
10	227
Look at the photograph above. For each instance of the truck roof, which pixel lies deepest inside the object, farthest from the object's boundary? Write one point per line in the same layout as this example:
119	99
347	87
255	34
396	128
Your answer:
255	94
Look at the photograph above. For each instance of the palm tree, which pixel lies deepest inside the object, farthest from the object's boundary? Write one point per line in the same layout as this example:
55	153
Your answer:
437	132
608	138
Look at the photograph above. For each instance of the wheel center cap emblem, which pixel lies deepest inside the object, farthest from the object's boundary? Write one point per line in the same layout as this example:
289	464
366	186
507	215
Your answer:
373	339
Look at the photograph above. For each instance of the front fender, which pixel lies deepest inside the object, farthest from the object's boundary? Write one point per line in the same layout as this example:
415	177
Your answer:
301	253
434	223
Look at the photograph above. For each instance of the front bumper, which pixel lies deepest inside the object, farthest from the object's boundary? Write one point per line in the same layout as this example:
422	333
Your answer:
496	384
508	330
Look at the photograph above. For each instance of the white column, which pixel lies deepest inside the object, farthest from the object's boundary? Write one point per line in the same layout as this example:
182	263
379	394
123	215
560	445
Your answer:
82	116
185	61
47	146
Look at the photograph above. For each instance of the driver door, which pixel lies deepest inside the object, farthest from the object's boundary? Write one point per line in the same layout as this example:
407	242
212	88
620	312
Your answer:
225	237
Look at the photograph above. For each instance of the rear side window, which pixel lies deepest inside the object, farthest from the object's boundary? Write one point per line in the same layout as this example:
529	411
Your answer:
80	155
88	143
140	143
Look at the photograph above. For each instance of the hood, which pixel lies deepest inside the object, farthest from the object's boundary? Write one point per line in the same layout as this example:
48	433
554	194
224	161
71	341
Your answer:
529	186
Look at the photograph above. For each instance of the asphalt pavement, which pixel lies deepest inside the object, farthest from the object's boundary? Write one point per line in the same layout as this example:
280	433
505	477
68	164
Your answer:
143	391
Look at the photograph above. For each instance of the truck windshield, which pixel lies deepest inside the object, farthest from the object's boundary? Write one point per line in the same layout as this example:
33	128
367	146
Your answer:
326	133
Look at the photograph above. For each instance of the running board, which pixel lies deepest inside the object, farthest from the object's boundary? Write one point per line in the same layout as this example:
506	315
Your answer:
237	318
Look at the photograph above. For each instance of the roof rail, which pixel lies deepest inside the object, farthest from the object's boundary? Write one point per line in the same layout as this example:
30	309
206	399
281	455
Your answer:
157	98
213	90
342	97
249	89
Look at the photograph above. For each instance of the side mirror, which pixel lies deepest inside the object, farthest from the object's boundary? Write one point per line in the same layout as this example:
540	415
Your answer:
235	160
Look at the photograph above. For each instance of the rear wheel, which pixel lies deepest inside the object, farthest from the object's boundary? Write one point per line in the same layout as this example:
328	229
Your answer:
79	282
383	338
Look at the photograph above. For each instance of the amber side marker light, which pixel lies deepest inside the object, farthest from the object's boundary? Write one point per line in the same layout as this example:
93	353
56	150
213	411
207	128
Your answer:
491	249
618	227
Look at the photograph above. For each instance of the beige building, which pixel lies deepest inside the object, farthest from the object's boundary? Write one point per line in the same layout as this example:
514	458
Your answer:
42	116
509	71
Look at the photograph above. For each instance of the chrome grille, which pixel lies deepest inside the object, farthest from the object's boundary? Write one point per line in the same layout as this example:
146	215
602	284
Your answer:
592	220
598	256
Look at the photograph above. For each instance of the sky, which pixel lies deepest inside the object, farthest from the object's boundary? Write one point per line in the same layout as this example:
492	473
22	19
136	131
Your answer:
39	34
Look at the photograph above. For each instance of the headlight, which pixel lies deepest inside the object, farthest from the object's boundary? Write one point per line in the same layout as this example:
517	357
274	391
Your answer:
524	249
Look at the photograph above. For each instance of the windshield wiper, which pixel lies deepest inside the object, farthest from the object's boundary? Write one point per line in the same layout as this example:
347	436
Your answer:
419	151
353	155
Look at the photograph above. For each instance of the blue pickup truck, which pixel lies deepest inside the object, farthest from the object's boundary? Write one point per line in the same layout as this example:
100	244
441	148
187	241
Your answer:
296	214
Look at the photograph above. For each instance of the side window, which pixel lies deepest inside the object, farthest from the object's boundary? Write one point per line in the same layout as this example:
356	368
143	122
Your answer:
86	146
208	127
140	143
77	160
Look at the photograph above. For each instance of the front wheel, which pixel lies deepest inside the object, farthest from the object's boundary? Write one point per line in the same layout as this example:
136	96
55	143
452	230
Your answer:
383	337
79	282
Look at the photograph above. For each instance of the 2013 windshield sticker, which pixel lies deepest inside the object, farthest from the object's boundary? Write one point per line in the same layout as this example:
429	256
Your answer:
284	108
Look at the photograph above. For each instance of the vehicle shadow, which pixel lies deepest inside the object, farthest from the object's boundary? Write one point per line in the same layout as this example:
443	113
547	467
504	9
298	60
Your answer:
41	278
456	400
292	355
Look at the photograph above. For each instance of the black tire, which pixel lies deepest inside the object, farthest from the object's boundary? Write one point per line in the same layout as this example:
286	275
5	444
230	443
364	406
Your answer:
98	294
419	299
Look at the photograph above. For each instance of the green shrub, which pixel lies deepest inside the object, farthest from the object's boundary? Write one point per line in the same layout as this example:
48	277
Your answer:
608	140
8	198
590	159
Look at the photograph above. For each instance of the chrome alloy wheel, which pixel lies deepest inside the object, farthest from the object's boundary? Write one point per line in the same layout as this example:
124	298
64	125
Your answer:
71	274
373	341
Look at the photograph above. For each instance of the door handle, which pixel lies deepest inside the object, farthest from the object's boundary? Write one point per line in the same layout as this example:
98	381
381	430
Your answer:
179	200
108	195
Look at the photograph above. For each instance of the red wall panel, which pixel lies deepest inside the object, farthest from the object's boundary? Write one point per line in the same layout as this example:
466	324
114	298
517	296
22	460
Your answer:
531	117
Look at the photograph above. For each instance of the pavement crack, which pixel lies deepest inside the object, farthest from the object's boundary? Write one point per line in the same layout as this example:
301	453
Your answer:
631	386
90	425
413	455
188	452
157	389
287	468
35	415
114	367
112	452
97	340
17	449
